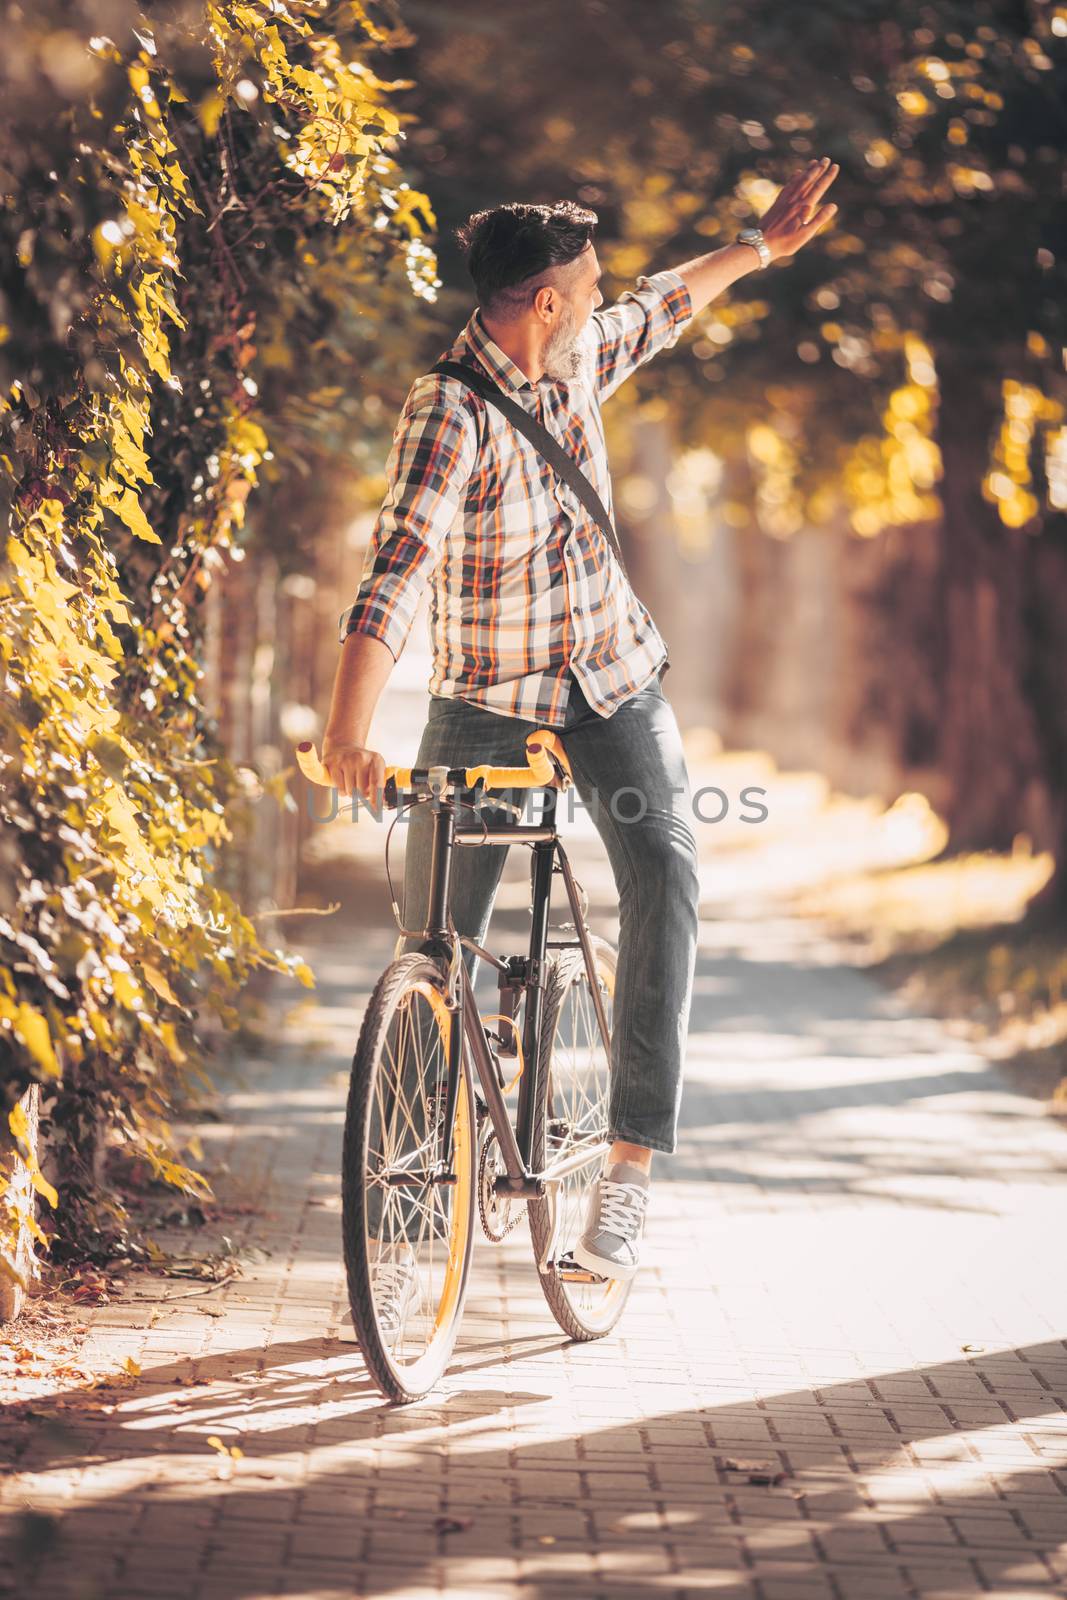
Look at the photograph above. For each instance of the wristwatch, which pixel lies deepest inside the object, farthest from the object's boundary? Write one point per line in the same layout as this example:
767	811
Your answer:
754	237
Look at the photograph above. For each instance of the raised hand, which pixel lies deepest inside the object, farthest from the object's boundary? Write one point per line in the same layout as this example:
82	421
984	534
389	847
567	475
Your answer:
796	214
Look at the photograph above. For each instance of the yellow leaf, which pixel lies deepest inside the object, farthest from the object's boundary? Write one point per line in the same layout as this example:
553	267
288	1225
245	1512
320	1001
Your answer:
248	436
101	1028
16	1121
305	974
129	456
127	993
170	1039
33	1031
134	419
42	1185
129	509
130	1366
209	111
158	982
11	1272
31	1225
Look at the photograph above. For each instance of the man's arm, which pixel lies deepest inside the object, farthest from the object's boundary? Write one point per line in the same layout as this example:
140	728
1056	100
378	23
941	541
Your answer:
427	472
706	277
643	321
793	219
362	673
651	317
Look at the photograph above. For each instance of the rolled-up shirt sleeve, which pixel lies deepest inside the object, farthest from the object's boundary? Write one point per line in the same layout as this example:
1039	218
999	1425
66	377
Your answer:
427	472
646	319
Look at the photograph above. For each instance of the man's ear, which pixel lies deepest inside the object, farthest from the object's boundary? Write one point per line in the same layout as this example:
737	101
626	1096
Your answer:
546	302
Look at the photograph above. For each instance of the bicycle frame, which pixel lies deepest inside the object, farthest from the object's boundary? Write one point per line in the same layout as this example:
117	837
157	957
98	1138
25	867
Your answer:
516	1143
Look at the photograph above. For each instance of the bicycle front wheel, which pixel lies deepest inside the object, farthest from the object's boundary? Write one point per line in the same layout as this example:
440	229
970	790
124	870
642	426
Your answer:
408	1228
571	1125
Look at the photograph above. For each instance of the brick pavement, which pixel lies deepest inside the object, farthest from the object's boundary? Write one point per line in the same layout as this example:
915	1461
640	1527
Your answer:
852	1281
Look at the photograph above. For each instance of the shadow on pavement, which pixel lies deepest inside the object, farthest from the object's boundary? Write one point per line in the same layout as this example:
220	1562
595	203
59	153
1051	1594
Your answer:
655	1503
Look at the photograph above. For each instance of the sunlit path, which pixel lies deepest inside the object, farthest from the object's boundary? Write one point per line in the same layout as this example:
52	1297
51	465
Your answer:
843	1371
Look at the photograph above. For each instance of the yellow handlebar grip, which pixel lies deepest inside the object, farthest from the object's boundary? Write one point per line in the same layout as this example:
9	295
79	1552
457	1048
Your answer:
539	771
307	759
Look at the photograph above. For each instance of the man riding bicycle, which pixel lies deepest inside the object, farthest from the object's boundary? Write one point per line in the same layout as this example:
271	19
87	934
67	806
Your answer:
534	624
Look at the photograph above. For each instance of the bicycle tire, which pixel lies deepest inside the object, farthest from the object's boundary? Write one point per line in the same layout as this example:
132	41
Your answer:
366	1197
583	1311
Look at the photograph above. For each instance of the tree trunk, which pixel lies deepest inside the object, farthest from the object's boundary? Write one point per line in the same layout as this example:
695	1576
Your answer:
990	743
1047	676
752	637
18	1191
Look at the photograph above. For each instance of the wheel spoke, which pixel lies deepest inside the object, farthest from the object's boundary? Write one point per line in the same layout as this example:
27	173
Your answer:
576	1119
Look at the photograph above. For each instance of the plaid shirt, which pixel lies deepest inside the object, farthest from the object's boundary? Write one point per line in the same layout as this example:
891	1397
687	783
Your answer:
525	585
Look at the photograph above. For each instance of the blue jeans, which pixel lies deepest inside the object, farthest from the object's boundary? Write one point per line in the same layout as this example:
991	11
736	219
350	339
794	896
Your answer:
629	769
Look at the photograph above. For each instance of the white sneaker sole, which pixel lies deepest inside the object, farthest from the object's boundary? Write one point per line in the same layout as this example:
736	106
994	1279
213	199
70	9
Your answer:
600	1264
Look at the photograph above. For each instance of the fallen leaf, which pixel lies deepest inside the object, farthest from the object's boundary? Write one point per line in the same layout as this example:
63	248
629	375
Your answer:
452	1524
130	1366
232	1450
762	1473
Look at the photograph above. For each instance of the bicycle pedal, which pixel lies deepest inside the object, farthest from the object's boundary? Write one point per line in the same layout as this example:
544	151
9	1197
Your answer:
570	1271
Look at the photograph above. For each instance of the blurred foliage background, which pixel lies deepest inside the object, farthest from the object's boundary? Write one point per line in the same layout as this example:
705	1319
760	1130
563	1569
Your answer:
200	223
900	383
844	494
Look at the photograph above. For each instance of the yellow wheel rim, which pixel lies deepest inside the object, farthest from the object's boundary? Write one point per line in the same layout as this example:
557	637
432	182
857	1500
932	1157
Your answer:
459	1227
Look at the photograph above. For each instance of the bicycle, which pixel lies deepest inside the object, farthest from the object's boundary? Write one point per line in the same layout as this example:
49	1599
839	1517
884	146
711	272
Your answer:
424	1147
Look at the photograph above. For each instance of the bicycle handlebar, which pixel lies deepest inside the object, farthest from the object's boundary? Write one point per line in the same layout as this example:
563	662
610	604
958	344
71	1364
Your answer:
540	772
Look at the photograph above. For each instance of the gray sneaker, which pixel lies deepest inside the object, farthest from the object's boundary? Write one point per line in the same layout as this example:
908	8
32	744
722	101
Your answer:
396	1293
610	1240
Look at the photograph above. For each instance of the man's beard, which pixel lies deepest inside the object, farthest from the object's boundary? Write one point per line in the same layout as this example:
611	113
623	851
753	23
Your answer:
562	357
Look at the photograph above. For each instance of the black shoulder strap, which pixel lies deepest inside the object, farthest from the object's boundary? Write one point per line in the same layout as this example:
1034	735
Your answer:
559	459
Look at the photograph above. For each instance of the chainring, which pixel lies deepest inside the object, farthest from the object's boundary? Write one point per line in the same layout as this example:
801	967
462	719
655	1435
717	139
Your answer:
499	1214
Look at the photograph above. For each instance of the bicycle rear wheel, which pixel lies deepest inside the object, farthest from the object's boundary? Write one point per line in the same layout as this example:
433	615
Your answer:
408	1236
571	1116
